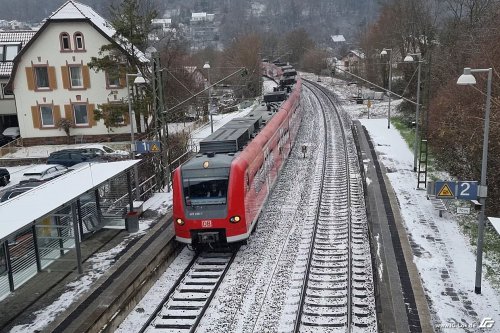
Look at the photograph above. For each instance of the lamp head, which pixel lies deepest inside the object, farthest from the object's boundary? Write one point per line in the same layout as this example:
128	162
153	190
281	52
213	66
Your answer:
207	65
408	58
383	53
139	79
466	78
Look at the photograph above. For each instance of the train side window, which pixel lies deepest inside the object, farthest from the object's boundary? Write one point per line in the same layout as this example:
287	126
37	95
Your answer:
247	176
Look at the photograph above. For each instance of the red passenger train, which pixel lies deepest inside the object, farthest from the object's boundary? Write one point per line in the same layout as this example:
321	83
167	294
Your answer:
219	193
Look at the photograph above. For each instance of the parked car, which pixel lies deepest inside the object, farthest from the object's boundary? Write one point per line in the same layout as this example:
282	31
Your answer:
44	172
4	140
4	176
14	191
103	150
12	132
70	157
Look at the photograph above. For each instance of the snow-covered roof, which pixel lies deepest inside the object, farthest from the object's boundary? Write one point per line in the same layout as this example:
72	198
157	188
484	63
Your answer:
199	15
20	211
72	10
337	38
358	53
162	21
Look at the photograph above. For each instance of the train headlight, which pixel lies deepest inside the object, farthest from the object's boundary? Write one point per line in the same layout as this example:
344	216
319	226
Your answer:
235	219
179	221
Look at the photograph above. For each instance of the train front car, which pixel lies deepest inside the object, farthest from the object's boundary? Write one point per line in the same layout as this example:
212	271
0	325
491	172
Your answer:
205	209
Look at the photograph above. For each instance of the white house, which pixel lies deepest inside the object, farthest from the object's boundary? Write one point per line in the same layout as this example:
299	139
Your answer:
353	61
51	79
11	43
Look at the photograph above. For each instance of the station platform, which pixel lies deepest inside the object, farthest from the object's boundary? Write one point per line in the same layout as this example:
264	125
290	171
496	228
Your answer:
131	255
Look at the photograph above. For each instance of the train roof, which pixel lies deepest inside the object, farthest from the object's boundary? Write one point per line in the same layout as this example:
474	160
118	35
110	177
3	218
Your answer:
206	161
234	135
289	72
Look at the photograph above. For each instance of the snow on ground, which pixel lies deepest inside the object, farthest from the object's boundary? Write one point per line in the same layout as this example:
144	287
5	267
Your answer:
441	252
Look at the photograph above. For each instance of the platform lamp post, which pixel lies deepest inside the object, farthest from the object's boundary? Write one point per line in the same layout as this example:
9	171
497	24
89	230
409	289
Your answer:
468	79
409	58
384	53
207	67
138	80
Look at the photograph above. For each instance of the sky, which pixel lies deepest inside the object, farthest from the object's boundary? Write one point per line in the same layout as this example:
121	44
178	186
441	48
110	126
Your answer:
442	254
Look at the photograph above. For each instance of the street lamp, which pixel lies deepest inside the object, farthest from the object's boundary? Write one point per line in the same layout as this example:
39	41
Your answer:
131	114
207	67
468	79
384	53
409	58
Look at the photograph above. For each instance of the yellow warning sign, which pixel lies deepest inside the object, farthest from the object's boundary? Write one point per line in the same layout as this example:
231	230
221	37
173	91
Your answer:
446	192
154	148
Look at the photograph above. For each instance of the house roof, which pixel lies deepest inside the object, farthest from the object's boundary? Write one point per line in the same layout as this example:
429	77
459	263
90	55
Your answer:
13	37
73	11
337	38
358	53
199	15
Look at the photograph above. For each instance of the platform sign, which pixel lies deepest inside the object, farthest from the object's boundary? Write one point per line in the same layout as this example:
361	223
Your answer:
154	146
467	190
142	147
463	190
445	190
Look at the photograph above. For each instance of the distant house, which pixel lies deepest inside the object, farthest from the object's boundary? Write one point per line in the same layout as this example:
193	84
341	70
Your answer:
353	62
11	43
161	24
203	30
51	79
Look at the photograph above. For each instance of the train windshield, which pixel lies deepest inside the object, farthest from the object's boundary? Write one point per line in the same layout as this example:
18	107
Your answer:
205	190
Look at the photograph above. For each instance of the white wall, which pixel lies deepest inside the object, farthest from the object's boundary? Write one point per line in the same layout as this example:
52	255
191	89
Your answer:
46	48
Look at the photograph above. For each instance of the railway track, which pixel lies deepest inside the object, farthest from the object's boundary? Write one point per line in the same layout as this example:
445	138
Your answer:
184	305
337	292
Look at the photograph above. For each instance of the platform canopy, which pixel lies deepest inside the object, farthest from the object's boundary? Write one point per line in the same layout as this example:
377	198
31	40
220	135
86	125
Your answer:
26	208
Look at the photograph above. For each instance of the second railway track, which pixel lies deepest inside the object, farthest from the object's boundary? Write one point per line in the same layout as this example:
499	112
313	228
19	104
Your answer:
184	305
337	292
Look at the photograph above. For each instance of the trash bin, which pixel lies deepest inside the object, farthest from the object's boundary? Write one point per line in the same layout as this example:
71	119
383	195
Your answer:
132	222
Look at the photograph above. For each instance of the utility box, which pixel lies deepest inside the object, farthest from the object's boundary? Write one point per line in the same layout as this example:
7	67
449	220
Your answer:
132	222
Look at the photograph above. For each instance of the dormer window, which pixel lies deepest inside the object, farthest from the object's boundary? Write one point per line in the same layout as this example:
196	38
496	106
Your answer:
79	41
65	42
9	51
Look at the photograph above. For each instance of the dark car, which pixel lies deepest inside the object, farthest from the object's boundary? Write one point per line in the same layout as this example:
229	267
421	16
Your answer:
70	157
4	176
18	189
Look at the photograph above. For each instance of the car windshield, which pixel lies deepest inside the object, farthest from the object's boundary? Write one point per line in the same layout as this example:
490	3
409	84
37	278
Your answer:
107	149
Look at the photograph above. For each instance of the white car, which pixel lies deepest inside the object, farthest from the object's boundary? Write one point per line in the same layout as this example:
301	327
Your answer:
44	172
103	150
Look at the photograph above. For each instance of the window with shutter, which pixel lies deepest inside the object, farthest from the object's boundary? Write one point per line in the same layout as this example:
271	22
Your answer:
80	114
41	77
75	77
47	116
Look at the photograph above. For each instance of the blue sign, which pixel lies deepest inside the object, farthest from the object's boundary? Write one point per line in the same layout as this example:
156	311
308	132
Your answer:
445	190
142	147
467	190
